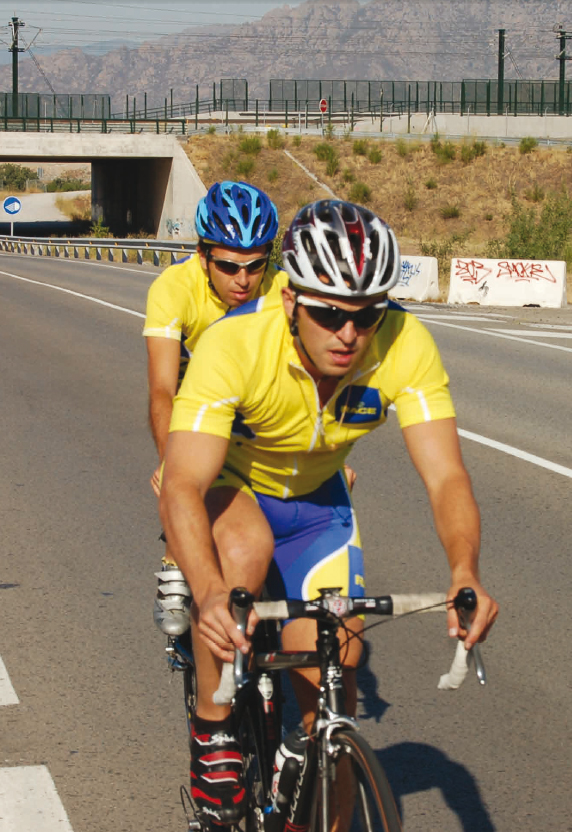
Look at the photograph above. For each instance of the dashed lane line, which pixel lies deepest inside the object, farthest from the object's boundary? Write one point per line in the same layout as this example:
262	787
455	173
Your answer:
29	801
7	693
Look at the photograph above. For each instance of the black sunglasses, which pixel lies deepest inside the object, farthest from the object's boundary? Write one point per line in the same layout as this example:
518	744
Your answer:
334	318
232	267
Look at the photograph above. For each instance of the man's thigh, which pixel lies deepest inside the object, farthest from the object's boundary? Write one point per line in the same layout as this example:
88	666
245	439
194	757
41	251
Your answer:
242	536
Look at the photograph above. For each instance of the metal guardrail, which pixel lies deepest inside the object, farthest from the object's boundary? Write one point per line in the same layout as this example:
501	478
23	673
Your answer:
70	248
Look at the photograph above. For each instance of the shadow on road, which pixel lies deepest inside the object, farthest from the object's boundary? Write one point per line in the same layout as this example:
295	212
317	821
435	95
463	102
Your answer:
415	767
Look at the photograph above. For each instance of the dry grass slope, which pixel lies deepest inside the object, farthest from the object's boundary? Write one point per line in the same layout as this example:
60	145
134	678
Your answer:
458	203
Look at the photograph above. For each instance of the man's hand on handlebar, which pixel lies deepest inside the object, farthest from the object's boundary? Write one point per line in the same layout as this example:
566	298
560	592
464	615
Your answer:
218	629
482	620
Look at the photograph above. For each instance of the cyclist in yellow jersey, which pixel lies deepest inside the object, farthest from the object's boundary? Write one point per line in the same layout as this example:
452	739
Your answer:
270	406
236	224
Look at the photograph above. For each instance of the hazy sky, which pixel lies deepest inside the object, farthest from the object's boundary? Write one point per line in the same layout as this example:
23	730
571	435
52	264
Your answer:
63	23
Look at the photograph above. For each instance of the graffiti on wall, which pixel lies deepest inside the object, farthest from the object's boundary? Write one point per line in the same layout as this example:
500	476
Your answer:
409	270
173	227
520	271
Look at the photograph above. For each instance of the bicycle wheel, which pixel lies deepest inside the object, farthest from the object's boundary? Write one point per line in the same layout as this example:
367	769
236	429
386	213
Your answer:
359	796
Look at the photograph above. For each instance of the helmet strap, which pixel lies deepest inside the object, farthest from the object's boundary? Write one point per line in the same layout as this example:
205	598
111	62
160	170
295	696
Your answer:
296	334
210	283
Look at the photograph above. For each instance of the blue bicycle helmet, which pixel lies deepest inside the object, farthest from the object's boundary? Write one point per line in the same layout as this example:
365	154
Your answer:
237	215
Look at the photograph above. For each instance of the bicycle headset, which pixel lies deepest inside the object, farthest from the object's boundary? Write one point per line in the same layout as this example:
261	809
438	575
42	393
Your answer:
237	215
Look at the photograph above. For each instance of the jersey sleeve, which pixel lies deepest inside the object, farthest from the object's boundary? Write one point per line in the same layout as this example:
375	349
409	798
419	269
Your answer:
164	308
422	393
212	389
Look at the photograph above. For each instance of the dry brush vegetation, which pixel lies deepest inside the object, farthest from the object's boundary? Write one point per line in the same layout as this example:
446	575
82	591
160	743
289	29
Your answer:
443	198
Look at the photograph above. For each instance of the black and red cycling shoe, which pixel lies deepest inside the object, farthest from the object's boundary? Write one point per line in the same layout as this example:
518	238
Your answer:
217	784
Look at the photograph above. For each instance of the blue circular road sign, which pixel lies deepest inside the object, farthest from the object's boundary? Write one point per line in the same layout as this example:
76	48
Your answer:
12	205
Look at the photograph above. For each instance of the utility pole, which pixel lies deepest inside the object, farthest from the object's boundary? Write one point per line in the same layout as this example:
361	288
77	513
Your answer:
500	84
562	58
15	25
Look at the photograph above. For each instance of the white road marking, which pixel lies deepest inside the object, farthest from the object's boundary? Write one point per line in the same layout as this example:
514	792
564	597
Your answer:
551	326
7	693
500	335
512	451
455	316
29	801
76	294
542	333
509	449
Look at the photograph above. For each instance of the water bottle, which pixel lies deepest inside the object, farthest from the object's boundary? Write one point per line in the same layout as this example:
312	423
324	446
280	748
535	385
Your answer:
287	765
293	746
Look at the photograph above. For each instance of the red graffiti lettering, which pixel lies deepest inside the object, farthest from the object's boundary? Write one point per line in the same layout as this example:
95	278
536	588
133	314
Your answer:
525	271
471	271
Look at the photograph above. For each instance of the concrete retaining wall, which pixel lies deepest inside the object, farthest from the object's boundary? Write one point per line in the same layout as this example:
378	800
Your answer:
558	128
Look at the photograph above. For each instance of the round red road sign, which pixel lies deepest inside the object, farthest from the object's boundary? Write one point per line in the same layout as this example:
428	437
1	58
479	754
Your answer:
323	106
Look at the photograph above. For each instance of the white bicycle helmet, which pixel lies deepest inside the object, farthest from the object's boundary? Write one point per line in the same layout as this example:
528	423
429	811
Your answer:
339	248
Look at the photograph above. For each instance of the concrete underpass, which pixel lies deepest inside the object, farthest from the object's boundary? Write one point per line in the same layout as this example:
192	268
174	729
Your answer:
140	184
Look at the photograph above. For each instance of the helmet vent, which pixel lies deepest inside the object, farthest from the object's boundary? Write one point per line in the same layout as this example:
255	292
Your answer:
292	264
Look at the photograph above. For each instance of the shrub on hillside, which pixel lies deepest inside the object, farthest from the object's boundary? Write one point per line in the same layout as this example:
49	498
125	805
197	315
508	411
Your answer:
534	194
332	165
275	139
402	148
324	152
360	193
472	150
360	147
251	145
410	199
445	152
537	235
527	144
450	211
245	167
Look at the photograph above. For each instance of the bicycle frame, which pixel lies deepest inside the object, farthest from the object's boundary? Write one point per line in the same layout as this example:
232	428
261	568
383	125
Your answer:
330	716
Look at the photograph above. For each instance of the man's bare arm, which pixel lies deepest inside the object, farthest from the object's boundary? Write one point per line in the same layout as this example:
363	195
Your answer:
163	373
192	463
435	451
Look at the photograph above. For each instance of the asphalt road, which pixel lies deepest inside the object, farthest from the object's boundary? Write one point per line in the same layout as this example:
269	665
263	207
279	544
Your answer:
97	710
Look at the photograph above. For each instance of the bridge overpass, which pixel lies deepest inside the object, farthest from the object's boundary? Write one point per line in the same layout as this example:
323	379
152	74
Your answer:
139	184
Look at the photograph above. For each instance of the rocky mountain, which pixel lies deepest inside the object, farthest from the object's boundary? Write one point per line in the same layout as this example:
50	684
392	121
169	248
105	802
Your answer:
380	39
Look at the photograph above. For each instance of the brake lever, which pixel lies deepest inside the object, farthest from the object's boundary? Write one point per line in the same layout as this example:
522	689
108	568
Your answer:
466	604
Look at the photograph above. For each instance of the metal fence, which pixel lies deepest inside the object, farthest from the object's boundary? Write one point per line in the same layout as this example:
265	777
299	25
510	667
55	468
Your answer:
39	105
110	249
483	97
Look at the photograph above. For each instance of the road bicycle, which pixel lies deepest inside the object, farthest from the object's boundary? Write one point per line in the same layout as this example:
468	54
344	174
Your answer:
337	761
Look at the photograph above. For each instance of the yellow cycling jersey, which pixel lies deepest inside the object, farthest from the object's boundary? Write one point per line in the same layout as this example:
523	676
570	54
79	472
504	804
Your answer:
246	383
181	304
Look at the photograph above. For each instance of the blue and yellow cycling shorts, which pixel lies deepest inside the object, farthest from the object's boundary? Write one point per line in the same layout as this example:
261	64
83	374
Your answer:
316	537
